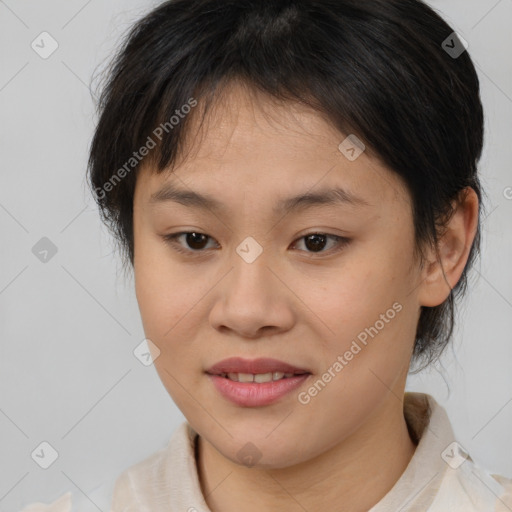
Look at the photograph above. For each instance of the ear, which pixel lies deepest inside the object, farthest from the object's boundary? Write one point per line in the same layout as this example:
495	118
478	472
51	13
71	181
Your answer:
443	271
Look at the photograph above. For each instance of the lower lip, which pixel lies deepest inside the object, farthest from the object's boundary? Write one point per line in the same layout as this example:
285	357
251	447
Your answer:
252	394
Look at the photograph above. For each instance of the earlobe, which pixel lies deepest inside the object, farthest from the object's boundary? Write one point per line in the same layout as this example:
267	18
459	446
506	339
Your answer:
443	270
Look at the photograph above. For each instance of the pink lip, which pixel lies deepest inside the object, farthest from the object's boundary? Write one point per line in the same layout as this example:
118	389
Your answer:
261	365
252	394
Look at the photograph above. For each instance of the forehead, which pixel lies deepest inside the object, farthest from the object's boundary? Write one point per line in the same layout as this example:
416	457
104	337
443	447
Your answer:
249	142
244	121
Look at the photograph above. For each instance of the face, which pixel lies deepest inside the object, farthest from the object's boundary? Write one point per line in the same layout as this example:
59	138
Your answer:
328	287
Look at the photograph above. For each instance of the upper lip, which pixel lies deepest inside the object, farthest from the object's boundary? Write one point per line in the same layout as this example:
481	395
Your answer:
254	366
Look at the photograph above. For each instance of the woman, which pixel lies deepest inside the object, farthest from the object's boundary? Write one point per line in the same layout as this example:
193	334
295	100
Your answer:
295	186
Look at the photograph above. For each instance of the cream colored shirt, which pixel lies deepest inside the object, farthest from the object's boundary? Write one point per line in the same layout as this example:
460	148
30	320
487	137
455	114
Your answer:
440	477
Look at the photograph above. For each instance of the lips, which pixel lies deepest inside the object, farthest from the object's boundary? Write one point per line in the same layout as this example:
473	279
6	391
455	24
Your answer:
254	366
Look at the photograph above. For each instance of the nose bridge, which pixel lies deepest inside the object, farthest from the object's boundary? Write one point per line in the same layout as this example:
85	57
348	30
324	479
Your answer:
251	272
249	299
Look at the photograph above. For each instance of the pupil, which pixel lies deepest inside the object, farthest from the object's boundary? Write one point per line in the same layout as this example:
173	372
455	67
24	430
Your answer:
191	241
315	239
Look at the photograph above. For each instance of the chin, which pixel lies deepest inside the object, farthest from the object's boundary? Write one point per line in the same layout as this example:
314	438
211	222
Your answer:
261	454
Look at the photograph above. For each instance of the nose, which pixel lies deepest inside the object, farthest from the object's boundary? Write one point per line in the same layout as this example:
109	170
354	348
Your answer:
252	300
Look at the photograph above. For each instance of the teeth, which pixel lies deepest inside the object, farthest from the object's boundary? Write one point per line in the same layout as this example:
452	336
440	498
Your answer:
259	377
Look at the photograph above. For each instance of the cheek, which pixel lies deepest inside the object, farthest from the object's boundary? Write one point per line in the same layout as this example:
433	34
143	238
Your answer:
170	296
164	295
366	314
166	301
349	297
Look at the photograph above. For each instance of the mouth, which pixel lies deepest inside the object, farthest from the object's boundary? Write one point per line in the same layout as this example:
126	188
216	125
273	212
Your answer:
259	378
259	370
257	382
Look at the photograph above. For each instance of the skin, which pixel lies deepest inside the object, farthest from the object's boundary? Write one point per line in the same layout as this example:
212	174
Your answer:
350	443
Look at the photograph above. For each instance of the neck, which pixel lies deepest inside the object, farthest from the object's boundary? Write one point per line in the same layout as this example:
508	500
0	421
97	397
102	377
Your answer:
357	472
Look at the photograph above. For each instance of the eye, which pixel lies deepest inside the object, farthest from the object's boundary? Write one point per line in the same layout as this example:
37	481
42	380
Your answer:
317	241
193	238
314	242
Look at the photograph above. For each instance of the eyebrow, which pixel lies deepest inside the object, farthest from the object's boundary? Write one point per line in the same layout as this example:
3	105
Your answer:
327	197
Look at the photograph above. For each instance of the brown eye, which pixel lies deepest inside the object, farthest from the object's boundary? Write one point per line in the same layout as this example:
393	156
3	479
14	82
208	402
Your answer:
194	241
316	242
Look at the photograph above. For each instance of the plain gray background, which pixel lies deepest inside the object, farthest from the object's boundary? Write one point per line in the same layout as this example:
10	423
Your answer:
69	326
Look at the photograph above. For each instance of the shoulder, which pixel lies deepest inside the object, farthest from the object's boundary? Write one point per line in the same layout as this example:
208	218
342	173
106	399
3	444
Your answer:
139	488
135	485
144	484
471	488
85	500
62	504
447	477
505	498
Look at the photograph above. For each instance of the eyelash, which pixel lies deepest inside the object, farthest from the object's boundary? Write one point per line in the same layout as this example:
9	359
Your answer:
341	242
